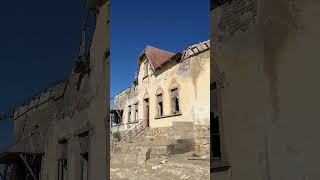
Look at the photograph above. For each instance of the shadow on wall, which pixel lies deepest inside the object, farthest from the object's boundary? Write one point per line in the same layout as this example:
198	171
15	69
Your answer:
182	146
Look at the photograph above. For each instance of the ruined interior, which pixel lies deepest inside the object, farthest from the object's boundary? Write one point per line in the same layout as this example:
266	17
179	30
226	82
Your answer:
61	130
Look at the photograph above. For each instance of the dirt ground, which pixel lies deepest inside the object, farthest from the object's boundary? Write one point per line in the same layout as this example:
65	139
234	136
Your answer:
169	168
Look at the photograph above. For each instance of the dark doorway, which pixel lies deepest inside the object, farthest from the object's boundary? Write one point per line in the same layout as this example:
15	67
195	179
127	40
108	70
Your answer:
146	113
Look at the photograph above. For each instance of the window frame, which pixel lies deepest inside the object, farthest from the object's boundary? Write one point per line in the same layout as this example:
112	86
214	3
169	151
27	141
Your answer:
129	118
173	103
136	111
220	163
160	108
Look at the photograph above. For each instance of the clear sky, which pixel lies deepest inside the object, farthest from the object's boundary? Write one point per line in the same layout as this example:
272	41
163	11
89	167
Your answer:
38	42
171	25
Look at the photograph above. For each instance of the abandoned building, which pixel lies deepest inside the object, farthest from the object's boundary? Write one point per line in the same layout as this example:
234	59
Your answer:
61	132
168	99
265	66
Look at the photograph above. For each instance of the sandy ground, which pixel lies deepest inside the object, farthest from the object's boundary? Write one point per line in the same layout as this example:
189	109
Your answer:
170	168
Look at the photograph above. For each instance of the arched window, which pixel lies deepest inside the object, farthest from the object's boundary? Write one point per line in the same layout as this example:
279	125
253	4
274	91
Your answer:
174	89
159	99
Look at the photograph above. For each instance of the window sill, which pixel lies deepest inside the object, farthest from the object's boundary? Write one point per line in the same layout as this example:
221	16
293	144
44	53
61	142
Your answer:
167	116
219	166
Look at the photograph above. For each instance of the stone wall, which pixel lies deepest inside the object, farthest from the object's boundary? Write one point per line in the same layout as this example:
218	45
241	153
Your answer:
184	137
181	137
163	131
202	139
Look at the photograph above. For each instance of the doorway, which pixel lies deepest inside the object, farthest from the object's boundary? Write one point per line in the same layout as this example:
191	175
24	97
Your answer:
146	113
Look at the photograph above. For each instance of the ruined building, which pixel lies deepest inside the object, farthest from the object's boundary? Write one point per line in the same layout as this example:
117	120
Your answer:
265	65
59	134
168	98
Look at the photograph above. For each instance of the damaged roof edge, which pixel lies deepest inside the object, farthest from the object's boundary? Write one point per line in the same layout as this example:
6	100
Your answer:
184	54
10	114
122	91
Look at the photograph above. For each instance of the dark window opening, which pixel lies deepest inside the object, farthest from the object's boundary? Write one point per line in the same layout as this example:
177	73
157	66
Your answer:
84	153
62	169
136	112
116	116
215	126
213	86
129	114
160	105
175	101
84	166
216	146
63	160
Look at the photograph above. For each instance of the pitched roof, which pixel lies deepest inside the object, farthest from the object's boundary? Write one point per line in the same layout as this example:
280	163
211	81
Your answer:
156	56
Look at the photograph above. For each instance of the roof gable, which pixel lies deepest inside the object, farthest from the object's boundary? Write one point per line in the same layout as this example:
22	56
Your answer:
155	56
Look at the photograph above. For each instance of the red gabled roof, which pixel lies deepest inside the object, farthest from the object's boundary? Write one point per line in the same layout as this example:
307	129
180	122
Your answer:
156	56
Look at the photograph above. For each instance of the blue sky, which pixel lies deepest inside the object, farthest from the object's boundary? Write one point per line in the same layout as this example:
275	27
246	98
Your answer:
39	41
171	25
38	44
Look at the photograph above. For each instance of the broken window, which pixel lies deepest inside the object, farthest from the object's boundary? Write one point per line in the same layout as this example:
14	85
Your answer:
129	114
145	68
175	101
136	112
160	105
116	116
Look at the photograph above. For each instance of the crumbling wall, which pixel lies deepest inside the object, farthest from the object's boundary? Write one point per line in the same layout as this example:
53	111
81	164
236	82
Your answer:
191	76
268	94
121	100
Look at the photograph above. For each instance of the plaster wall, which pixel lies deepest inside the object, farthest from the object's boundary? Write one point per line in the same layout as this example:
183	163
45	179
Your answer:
268	98
75	113
192	76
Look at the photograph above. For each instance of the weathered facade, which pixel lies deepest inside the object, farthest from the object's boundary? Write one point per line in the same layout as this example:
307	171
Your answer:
168	88
263	59
60	133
